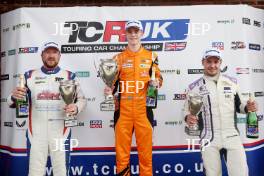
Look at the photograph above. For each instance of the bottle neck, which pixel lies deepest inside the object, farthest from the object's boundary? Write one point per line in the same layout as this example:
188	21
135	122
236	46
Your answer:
153	72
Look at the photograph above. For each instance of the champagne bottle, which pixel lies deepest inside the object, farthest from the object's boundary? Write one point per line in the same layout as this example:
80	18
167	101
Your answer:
252	122
22	106
152	91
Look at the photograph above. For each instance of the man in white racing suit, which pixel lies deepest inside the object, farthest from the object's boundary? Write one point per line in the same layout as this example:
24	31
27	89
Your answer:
46	132
217	120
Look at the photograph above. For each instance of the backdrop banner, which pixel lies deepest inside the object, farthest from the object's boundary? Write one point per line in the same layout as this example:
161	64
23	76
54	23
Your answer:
179	35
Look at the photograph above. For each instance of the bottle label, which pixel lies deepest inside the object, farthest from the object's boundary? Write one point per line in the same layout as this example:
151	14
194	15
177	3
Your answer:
252	130
151	102
22	110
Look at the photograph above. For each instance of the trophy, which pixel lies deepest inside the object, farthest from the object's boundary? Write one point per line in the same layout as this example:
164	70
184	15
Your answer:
195	102
108	72
68	93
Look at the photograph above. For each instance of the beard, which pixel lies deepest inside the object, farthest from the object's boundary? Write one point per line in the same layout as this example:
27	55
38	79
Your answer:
50	63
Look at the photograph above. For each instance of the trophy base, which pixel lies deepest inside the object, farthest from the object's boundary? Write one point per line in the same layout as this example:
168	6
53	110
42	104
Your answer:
70	122
107	106
192	132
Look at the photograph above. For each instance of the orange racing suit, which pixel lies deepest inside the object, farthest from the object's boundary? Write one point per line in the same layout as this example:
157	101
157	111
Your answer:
131	113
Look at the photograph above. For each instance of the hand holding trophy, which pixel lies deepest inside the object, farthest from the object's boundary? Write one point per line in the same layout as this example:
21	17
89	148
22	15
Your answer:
68	93
195	102
108	72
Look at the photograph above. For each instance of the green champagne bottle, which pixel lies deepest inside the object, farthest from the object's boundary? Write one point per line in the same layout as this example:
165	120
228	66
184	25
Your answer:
152	91
22	106
252	123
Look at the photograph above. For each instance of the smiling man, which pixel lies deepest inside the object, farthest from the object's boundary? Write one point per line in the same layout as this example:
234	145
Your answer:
217	119
47	113
132	114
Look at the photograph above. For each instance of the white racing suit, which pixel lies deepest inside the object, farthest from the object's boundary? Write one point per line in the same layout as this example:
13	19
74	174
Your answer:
221	101
46	129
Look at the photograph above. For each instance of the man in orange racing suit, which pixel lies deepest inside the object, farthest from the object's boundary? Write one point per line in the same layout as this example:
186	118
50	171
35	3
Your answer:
135	64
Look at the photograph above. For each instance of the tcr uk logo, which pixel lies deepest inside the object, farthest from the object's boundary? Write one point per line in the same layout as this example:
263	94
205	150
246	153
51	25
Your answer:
154	30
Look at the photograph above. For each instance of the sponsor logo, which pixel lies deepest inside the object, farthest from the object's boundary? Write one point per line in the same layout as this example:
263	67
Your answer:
144	65
96	123
4	77
16	75
80	124
58	79
8	124
21	124
90	99
242	70
82	74
3	100
246	21
47	95
40	78
237	45
174	71
28	50
3	54
232	21
21	26
157	31
40	82
179	97
246	94
174	123
259	94
258	70
200	71
241	120
195	71
257	23
127	65
161	97
252	46
203	90
175	46
6	29
142	61
11	52
218	45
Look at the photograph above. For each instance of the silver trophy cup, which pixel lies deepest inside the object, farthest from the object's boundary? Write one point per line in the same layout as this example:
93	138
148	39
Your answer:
195	102
68	93
108	72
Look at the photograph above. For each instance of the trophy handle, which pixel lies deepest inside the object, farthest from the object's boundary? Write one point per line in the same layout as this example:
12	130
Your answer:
97	70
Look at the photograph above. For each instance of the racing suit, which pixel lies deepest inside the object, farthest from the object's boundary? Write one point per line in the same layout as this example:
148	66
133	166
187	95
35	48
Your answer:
46	131
132	113
221	101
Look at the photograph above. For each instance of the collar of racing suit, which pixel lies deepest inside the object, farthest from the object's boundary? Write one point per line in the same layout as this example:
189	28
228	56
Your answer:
131	53
212	78
50	71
